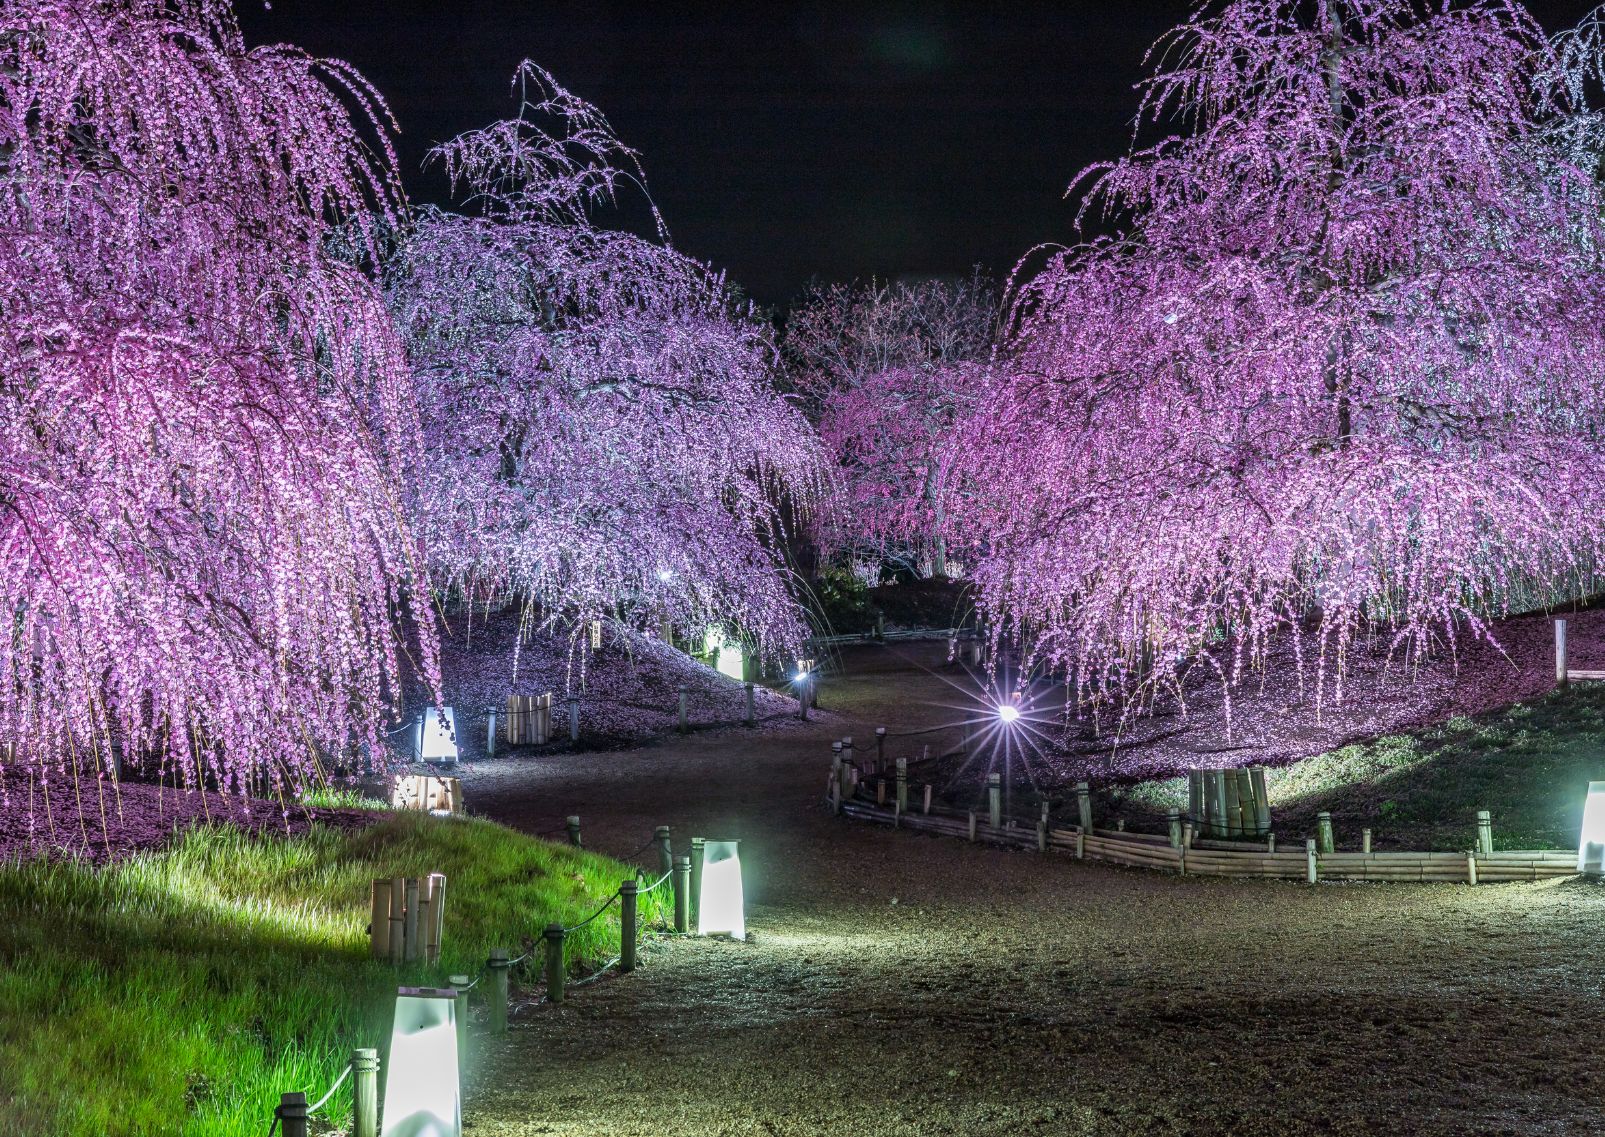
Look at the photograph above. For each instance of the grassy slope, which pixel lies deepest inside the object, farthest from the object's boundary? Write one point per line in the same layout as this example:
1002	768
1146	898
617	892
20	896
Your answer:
1530	764
183	991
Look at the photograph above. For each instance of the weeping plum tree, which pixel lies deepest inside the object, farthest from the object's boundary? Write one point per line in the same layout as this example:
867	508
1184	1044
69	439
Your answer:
603	436
201	553
1344	363
889	370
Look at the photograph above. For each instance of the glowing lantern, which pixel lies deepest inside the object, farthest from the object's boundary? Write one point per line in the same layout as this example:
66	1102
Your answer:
422	1098
721	904
1591	848
732	661
1008	713
437	736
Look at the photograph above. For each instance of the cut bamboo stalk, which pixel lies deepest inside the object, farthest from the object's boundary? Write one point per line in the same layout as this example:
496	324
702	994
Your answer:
1561	673
437	908
1247	811
1311	869
1365	841
411	926
927	804
379	926
1485	832
1262	802
398	919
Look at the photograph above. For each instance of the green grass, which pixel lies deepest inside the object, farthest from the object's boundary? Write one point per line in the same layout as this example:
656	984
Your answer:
183	991
340	797
1529	764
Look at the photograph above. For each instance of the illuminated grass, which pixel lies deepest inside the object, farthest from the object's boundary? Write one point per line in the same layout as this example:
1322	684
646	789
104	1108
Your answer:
183	991
1529	764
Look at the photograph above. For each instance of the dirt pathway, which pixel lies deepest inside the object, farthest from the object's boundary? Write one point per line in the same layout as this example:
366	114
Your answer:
901	984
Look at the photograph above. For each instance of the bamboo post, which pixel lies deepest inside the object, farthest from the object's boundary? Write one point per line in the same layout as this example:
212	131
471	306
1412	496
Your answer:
1247	808
1270	842
926	807
1262	801
1195	796
410	927
902	785
496	971
1485	832
437	910
994	800
573	822
379	920
880	745
1084	805
1174	817
573	718
1323	833
1232	816
972	825
1187	832
627	926
365	1090
426	918
1560	653
880	791
665	852
1311	867
291	1114
1217	803
460	984
1365	841
1042	836
1081	844
556	973
682	893
695	896
1471	866
398	918
490	733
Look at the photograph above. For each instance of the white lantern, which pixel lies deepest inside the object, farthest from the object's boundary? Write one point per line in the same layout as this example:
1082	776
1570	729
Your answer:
422	1097
1591	848
436	736
721	904
731	661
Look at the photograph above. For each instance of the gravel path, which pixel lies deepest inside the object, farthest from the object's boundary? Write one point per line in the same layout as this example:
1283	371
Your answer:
901	984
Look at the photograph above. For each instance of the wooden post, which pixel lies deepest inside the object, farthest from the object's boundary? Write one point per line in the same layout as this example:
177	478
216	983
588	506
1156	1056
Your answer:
1081	844
880	791
365	1089
1560	653
379	920
972	825
1311	868
573	718
695	891
291	1115
685	722
1365	841
573	823
1485	833
1084	805
880	745
902	785
994	800
1174	818
556	973
1471	866
1042	836
682	894
1323	833
627	926
398	919
927	804
410	928
1270	842
752	717
1187	834
496	971
1262	802
665	853
490	733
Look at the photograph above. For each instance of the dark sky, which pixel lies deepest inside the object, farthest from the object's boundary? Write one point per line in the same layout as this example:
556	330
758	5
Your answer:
789	142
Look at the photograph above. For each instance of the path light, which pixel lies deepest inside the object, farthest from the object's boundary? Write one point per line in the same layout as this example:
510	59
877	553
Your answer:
1591	848
1008	713
422	1098
721	904
436	739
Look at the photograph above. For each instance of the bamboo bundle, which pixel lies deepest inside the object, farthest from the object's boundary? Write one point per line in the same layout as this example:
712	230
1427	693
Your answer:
1124	835
379	919
528	720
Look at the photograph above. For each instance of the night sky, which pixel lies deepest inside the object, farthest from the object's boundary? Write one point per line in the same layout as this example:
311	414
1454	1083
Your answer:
787	143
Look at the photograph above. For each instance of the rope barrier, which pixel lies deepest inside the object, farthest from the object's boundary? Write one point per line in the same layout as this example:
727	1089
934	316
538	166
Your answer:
516	962
660	880
324	1100
606	904
597	974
